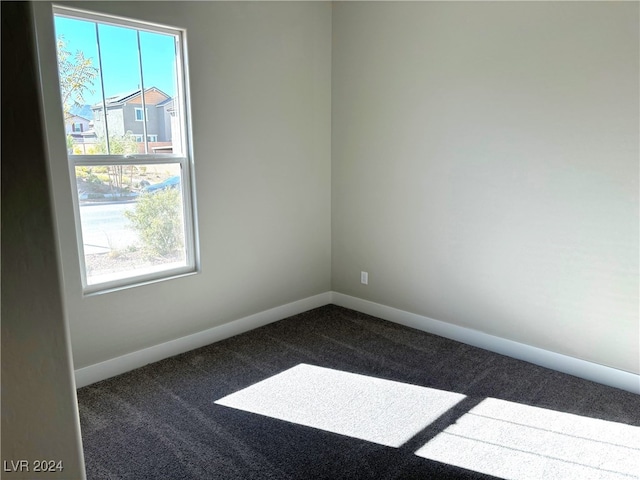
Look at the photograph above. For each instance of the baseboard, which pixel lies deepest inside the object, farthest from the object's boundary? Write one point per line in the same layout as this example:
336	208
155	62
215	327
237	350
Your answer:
116	366
555	361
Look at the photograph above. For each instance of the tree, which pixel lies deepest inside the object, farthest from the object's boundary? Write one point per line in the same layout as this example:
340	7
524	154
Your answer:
118	145
77	75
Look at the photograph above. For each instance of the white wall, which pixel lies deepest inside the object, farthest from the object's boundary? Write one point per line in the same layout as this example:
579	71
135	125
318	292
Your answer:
479	160
261	99
485	168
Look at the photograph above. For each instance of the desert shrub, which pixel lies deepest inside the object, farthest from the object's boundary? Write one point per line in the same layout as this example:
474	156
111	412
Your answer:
158	220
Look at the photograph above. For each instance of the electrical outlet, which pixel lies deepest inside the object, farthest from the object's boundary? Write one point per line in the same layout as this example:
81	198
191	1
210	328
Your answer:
364	278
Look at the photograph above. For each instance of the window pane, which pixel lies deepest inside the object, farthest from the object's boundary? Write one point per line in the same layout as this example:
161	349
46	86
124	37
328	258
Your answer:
131	219
122	84
94	56
80	86
159	71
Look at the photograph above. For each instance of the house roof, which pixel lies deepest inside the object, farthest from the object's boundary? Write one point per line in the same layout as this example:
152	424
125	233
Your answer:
124	97
72	117
165	102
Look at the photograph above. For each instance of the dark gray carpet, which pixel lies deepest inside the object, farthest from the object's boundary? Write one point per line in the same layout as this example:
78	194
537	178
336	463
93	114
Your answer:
161	422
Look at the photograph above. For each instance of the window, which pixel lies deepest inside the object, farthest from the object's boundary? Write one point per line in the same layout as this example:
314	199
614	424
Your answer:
77	127
139	115
135	220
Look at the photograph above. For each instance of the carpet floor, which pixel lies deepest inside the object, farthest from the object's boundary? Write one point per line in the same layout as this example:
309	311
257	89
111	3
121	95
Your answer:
336	394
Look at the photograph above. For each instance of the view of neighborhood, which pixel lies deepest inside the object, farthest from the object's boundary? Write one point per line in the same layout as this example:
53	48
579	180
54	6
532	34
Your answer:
131	215
86	132
131	218
86	126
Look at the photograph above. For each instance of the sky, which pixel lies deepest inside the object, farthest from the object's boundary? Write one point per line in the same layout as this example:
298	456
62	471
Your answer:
119	56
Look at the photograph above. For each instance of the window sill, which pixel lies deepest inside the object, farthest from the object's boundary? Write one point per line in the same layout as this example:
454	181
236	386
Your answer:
149	278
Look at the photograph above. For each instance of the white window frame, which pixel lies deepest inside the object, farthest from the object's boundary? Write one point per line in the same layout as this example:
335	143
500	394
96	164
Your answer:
185	160
138	138
144	117
150	137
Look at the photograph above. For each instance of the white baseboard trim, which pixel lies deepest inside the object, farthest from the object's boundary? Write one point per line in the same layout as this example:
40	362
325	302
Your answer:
115	366
555	361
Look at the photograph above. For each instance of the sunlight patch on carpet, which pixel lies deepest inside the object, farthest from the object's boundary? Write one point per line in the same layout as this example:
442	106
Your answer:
373	409
520	442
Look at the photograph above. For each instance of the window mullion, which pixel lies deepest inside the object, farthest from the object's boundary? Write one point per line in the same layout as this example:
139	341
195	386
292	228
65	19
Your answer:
95	160
142	94
104	101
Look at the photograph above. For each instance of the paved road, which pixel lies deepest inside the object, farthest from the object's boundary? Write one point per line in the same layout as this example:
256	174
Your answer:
104	227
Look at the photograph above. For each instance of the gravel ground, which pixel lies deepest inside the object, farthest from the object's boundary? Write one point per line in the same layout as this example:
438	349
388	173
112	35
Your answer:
100	263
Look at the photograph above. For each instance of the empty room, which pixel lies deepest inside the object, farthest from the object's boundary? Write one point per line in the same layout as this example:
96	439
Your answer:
333	240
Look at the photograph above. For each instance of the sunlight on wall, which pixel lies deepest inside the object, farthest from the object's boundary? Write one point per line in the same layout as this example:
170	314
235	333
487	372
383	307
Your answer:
380	411
520	442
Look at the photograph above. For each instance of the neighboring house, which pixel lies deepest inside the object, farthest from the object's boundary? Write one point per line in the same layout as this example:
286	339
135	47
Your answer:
81	131
125	114
171	125
75	124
